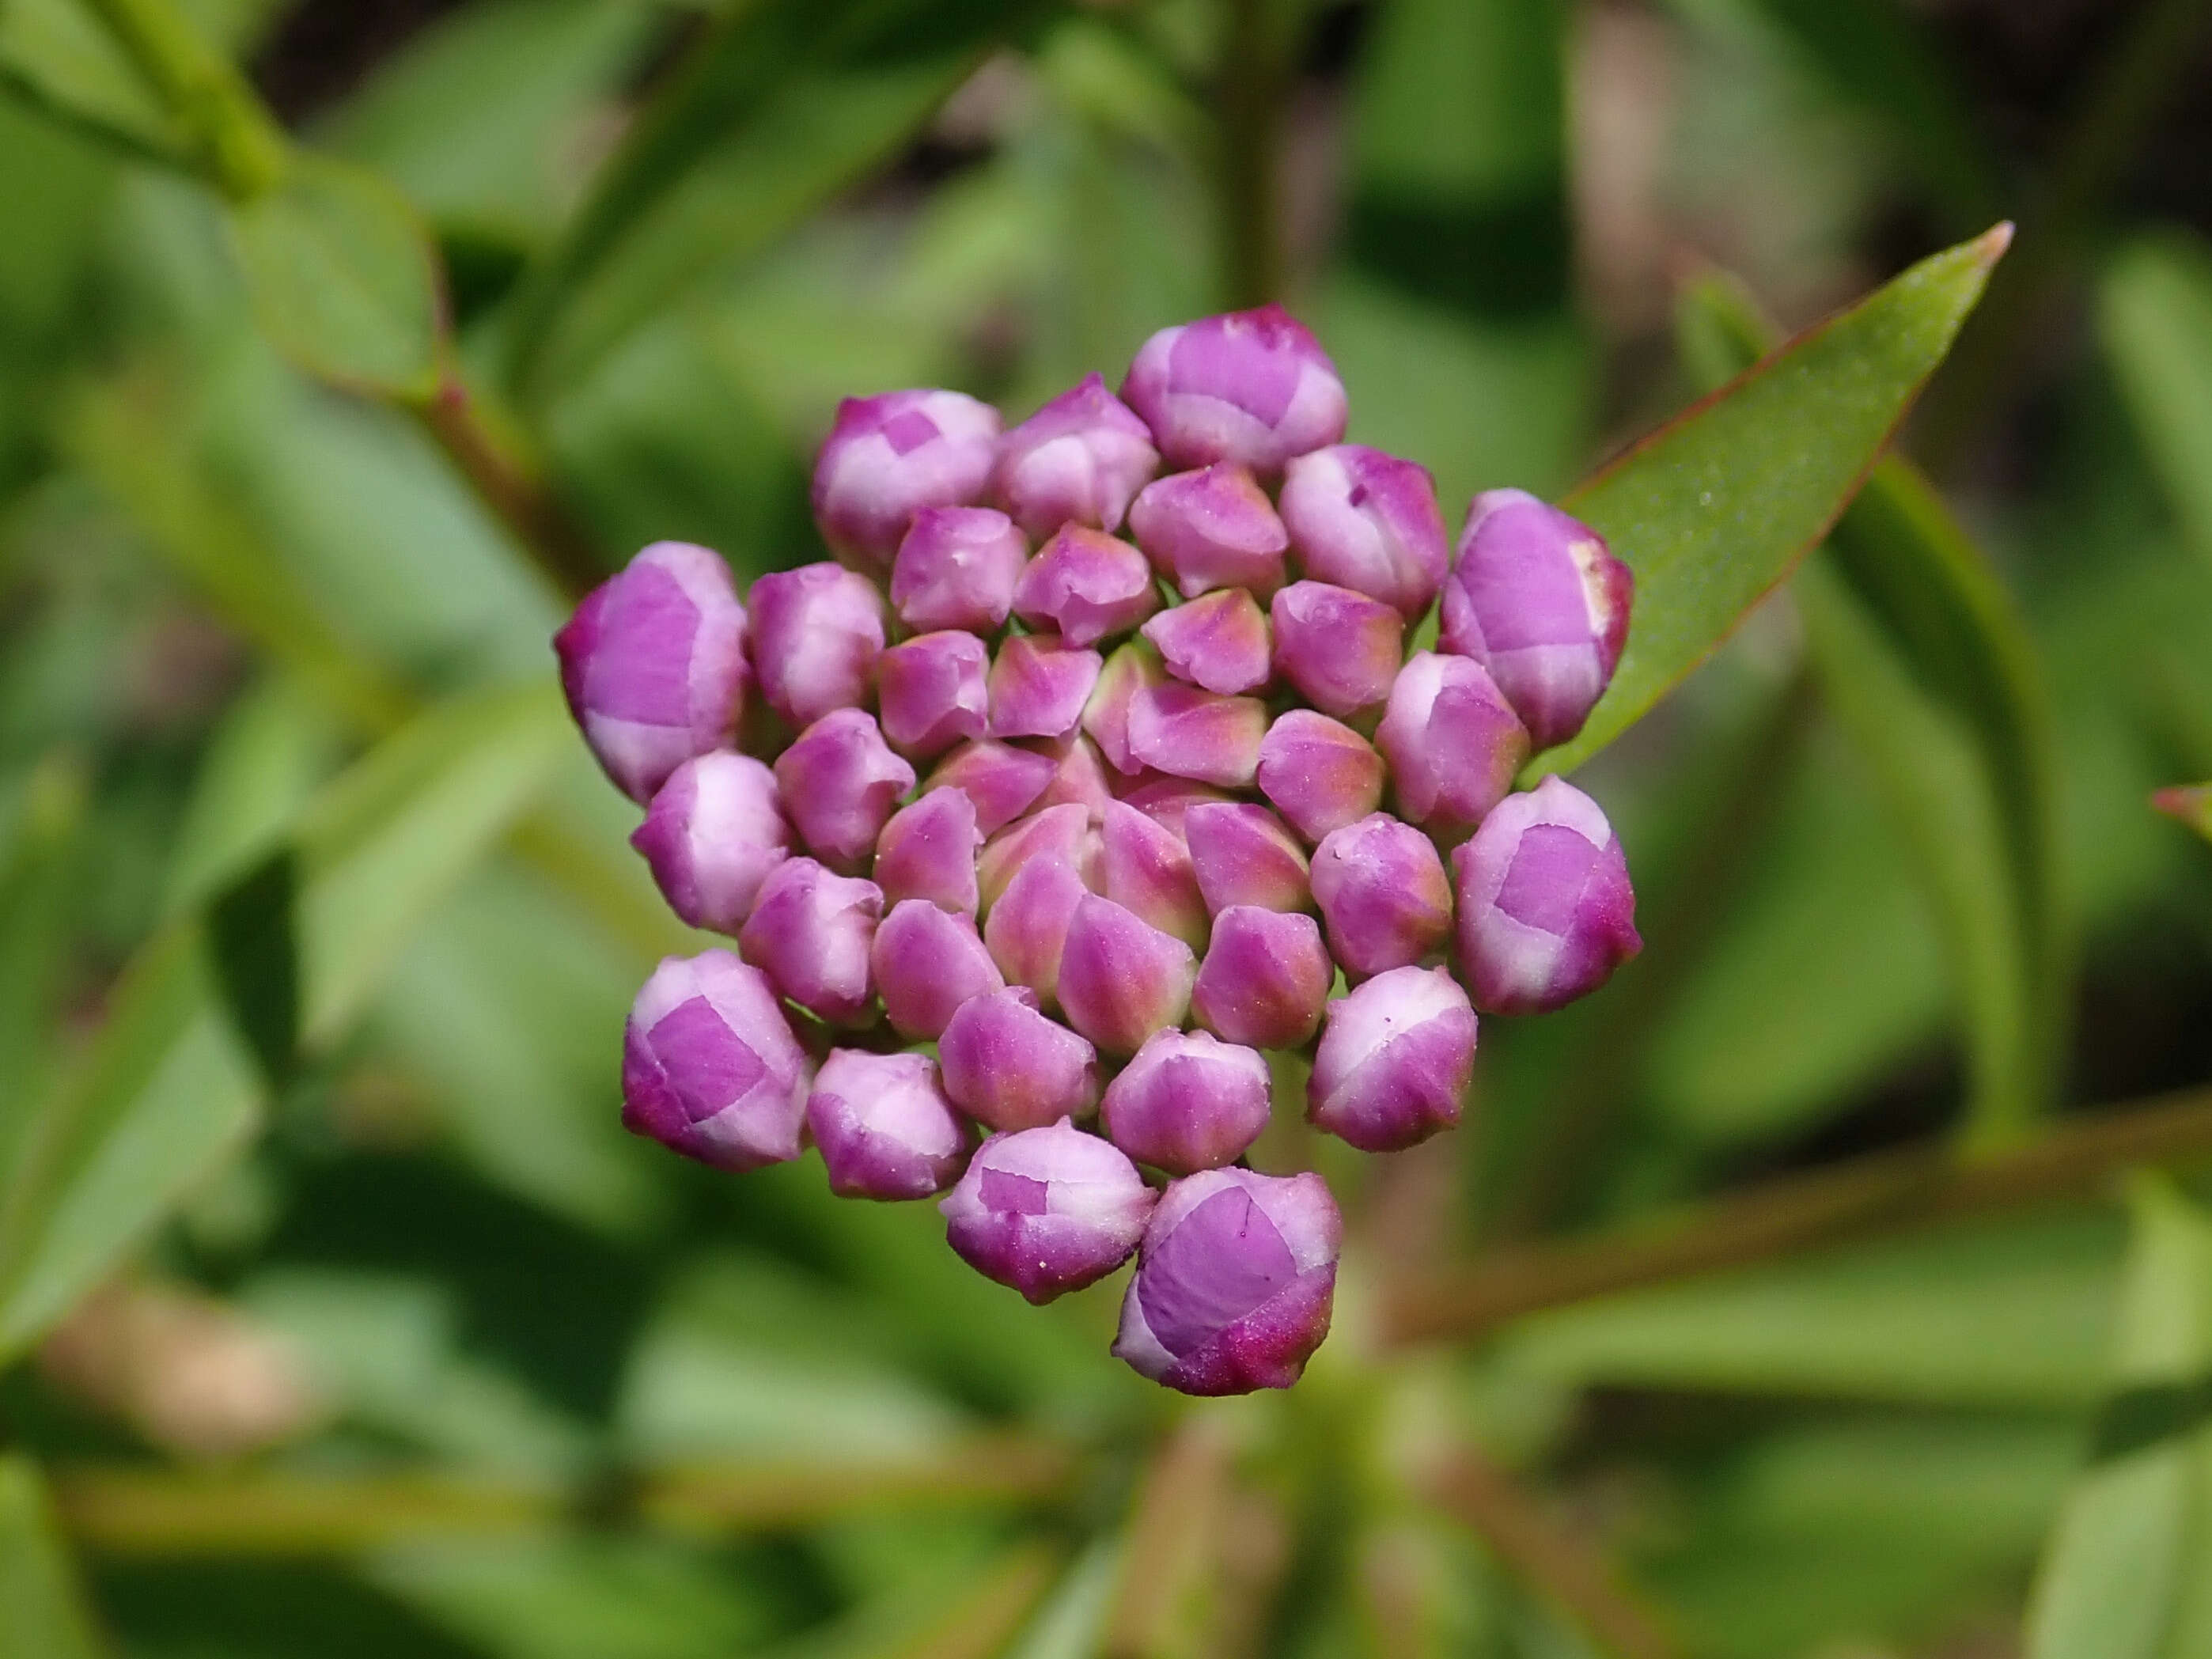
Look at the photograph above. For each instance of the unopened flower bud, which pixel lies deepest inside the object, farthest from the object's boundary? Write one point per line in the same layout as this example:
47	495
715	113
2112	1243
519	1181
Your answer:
1028	926
1265	979
1319	773
1382	891
883	1126
1048	1210
712	835
654	665
1000	781
840	783
1453	742
810	933
1146	870
1078	778
1234	1283
1546	909
957	568
1063	832
1134	667
817	632
1039	684
1120	978
1241	854
1080	459
1367	521
927	851
710	1067
1188	1102
927	961
889	457
1189	733
1394	1064
1210	529
930	690
1008	1065
1168	801
1085	585
1538	600
1220	641
1341	649
1253	386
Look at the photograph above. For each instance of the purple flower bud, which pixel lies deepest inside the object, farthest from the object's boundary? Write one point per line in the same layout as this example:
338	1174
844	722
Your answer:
817	633
931	691
1039	685
1220	641
1168	801
810	933
1028	926
654	665
1233	1286
1319	774
957	568
1243	855
1214	528
1146	870
885	1129
1382	891
840	783
1078	459
1087	585
927	851
999	781
1134	668
711	836
1078	779
1394	1064
1120	978
1265	978
1536	598
1453	742
1188	1102
1007	1064
710	1067
1367	521
1046	1211
1058	832
1545	911
1341	649
889	457
1253	386
1188	734
926	963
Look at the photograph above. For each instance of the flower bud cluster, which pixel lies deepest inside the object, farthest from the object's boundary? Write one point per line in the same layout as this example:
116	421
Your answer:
1093	770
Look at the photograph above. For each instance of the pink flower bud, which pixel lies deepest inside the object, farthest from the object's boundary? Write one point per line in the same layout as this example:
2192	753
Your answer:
654	665
1367	521
1188	734
889	457
930	690
1265	978
1079	778
1210	529
711	836
1319	774
1008	1065
1060	832
928	961
1028	926
927	851
1046	1211
957	568
1134	668
840	783
999	781
1167	800
1188	1102
1039	684
1086	584
1120	978
810	933
817	633
1147	871
1220	641
885	1127
1536	598
1546	912
1253	386
1452	741
1078	459
1382	891
1234	1283
1243	855
1394	1064
710	1067
1341	649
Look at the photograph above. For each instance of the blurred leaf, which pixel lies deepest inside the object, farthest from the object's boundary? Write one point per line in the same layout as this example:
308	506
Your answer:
1072	1617
40	869
1717	505
55	56
253	946
58	192
42	1613
273	746
2190	804
2156	315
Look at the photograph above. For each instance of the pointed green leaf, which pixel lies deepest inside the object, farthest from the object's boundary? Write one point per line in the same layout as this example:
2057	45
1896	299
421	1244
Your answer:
253	945
42	1612
55	56
2155	314
2191	804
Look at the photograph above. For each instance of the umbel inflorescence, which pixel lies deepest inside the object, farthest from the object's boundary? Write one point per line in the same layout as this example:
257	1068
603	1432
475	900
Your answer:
1021	812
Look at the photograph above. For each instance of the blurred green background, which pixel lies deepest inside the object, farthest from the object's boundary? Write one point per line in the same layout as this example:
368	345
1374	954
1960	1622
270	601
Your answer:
339	1317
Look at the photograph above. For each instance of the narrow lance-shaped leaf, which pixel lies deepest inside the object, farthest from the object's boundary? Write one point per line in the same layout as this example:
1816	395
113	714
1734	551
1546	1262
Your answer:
42	1611
2155	312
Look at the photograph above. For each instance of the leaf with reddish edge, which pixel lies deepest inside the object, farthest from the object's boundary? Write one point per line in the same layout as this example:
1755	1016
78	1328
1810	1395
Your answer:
2190	803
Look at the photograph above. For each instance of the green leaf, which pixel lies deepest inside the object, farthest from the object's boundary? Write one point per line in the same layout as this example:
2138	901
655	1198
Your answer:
43	1613
55	56
344	279
253	944
2155	312
2190	803
1719	505
40	874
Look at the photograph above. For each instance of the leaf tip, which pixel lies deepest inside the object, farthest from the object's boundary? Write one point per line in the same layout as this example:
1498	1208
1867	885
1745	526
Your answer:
2190	803
1989	246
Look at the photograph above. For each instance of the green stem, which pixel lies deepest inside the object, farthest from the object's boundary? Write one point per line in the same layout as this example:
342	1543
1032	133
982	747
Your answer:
1252	84
239	143
514	492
